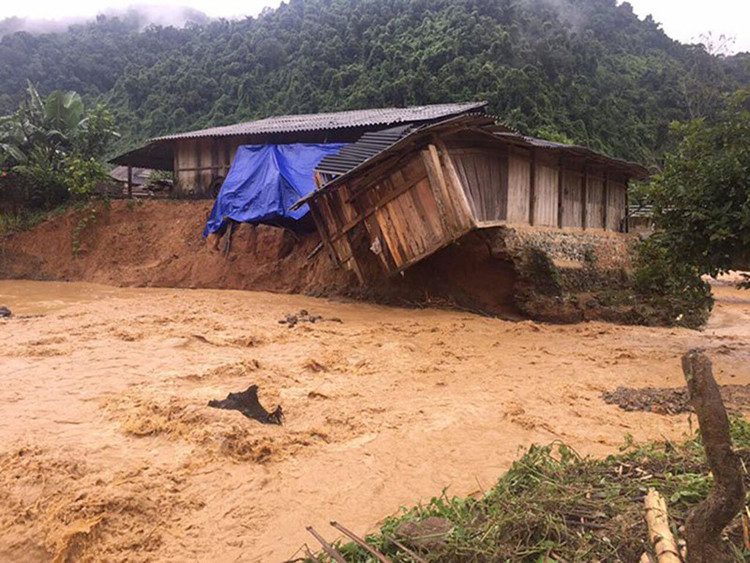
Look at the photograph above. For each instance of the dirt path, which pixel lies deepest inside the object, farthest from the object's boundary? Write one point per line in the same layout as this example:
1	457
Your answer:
109	452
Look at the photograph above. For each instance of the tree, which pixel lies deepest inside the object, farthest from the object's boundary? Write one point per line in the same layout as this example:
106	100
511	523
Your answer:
52	146
702	196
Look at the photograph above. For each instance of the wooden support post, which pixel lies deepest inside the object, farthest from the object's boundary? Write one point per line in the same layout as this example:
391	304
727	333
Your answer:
532	187
627	207
323	230
560	182
197	179
606	199
454	180
584	196
130	181
437	186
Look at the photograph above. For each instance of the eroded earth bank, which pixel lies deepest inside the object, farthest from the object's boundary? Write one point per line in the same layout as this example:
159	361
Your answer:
108	450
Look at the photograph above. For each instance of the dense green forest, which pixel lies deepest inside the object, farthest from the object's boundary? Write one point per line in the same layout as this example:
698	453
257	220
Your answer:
587	71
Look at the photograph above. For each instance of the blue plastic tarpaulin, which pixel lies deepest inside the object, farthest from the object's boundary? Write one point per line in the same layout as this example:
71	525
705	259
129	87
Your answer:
264	182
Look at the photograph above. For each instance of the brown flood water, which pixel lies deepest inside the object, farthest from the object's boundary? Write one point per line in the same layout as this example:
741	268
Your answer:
26	298
109	452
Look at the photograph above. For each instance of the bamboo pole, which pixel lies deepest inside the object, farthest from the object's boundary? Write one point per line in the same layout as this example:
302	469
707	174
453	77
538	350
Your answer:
659	534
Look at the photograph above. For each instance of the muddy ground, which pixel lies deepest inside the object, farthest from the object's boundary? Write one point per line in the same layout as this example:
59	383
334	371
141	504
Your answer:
108	450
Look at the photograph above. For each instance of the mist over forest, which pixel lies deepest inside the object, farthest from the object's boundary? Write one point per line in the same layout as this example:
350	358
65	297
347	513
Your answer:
583	71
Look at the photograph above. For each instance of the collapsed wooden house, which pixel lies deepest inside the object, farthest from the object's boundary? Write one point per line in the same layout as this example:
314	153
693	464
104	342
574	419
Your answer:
201	159
381	210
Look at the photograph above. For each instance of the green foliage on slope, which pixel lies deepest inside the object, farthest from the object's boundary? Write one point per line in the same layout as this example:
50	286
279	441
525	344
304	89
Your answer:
586	70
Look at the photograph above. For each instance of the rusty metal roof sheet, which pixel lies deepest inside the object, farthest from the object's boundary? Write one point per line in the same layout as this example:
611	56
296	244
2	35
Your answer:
336	120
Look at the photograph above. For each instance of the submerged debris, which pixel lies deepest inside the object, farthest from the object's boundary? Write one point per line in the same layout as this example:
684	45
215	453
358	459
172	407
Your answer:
247	403
672	401
304	317
5	313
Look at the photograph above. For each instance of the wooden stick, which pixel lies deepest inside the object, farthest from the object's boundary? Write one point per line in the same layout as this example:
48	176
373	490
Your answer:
408	551
659	533
361	543
327	547
706	521
229	233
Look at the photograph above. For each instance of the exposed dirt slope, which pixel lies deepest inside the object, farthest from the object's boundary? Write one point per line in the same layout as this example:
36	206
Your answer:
159	244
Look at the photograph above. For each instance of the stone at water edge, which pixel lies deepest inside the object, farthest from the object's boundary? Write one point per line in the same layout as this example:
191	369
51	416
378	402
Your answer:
5	313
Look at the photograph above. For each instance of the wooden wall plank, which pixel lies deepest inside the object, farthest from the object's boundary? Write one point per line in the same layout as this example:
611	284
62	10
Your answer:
483	176
572	205
616	205
545	187
594	202
532	187
519	185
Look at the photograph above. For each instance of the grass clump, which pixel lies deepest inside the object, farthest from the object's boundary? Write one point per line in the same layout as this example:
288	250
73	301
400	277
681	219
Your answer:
16	222
553	503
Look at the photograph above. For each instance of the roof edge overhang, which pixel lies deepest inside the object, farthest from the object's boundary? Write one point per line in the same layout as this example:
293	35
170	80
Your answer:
486	126
156	156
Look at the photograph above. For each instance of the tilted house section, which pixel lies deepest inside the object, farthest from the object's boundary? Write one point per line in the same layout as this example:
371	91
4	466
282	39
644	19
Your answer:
441	181
201	159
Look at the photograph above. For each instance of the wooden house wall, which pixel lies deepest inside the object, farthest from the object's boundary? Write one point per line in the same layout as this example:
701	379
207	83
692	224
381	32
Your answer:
594	201
519	187
616	204
572	199
404	215
413	203
514	199
484	177
545	194
198	162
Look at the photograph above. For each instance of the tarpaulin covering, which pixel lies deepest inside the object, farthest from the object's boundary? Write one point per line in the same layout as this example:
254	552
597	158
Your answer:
264	182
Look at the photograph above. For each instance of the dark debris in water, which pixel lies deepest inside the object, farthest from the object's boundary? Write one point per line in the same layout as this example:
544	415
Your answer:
672	401
305	317
248	404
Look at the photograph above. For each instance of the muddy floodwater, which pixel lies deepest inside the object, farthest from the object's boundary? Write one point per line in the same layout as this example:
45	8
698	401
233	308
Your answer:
109	451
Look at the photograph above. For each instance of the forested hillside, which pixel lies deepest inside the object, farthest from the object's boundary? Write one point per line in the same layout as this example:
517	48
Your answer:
583	70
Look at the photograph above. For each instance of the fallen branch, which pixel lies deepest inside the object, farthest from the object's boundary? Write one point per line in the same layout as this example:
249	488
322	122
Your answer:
327	547
707	520
659	534
361	543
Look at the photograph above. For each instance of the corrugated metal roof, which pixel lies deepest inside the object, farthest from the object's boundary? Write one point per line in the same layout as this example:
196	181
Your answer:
369	145
337	120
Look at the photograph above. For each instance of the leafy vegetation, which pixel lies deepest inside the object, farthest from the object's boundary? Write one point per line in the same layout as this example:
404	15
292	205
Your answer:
51	148
701	202
553	503
587	71
701	197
